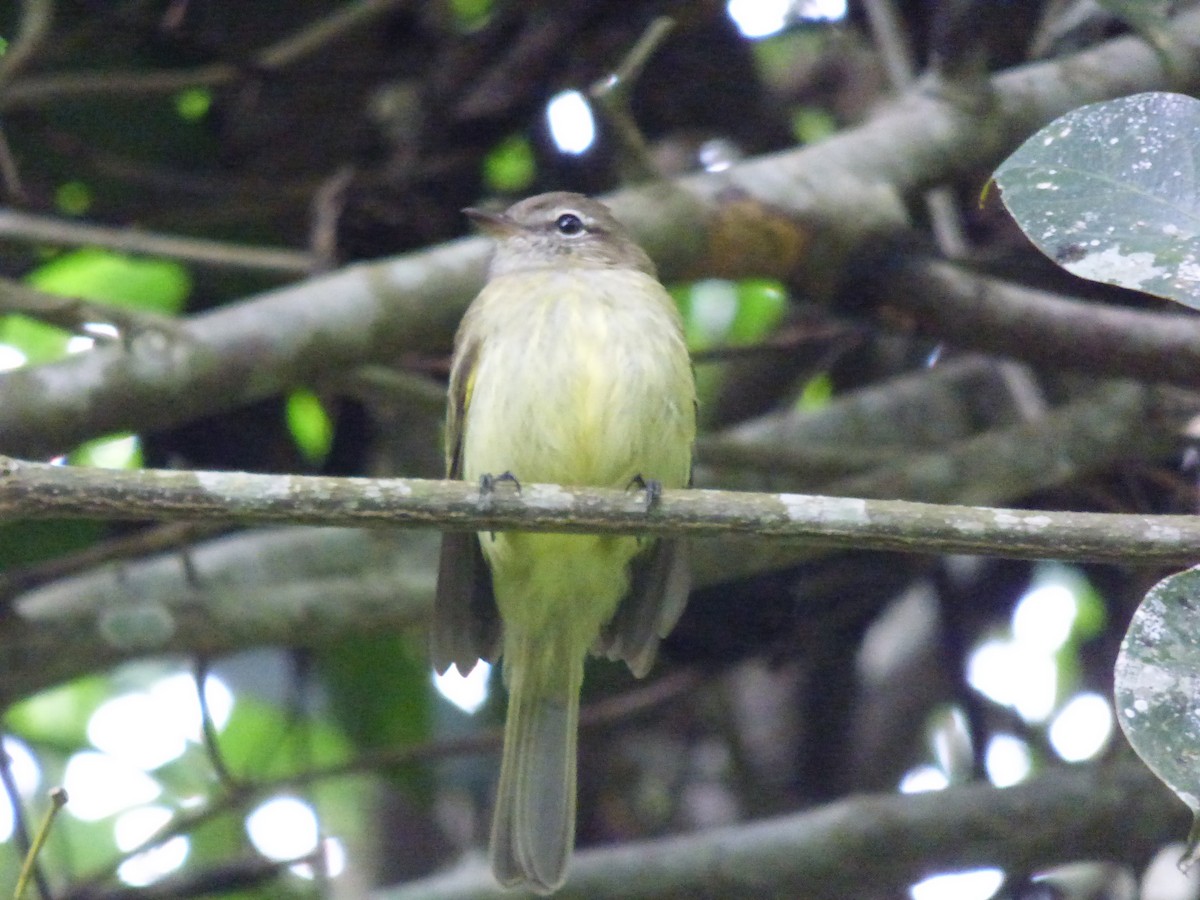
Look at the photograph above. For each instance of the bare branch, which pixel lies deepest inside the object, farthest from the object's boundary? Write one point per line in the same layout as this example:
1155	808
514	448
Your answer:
974	311
36	17
75	315
48	229
38	490
874	845
37	91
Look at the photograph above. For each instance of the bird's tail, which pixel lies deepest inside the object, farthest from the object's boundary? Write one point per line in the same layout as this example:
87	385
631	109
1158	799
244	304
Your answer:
533	828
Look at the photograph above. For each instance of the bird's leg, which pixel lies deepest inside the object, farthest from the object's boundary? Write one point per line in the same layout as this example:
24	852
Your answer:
487	487
488	482
653	488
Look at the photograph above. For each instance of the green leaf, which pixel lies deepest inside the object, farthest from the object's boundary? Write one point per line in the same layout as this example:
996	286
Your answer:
761	304
470	14
76	845
73	198
381	692
194	103
91	274
1156	681
22	543
1111	192
811	124
816	394
58	717
38	342
709	308
263	741
510	167
102	276
309	424
119	451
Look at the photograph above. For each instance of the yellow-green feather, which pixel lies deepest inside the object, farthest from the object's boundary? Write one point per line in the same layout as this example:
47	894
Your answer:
590	385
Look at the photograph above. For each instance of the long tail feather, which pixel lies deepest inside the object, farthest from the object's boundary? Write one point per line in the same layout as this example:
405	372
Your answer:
533	829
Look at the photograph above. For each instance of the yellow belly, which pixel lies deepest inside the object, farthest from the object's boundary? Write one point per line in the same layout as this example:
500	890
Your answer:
596	391
593	387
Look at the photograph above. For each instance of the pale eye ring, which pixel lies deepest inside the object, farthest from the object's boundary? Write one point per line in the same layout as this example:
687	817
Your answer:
569	224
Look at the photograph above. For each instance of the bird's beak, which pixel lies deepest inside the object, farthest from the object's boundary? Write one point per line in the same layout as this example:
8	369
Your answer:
490	223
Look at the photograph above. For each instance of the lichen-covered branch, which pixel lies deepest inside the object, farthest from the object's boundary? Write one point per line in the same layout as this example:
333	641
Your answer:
38	490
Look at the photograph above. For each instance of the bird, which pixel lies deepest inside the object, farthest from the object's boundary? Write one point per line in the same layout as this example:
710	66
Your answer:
570	367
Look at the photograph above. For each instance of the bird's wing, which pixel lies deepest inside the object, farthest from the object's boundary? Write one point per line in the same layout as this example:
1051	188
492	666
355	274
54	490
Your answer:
466	623
658	591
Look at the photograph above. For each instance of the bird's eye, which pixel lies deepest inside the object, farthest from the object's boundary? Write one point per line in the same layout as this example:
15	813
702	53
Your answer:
569	224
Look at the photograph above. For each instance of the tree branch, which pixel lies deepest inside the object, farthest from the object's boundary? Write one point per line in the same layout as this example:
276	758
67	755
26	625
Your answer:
42	229
797	214
36	17
249	589
38	490
872	845
973	311
38	91
314	586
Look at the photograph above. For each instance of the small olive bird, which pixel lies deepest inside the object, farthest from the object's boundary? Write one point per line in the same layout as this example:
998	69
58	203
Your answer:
569	368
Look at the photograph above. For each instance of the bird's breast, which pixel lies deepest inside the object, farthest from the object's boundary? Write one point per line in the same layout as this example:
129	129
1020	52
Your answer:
582	378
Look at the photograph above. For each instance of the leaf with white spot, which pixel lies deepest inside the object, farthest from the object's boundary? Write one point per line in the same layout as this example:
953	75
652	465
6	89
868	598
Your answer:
1111	192
1156	687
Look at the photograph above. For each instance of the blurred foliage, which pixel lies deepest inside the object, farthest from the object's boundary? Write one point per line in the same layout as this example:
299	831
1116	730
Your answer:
194	103
246	161
811	124
382	695
469	14
816	393
157	285
118	451
22	543
57	718
511	167
73	198
310	425
727	313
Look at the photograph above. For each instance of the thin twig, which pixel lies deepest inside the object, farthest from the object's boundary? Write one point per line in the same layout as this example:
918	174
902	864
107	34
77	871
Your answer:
10	175
18	579
58	799
296	46
887	31
337	25
48	229
612	93
24	843
208	729
327	206
36	17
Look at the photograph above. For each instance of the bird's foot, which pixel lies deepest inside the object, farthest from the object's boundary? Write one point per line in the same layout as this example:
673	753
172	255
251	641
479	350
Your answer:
488	482
653	488
487	487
